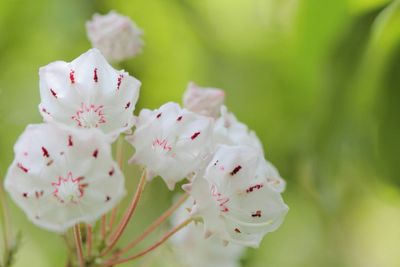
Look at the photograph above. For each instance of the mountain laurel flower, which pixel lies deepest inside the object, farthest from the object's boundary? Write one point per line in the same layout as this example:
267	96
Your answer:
235	201
62	176
88	93
116	36
171	142
193	250
203	100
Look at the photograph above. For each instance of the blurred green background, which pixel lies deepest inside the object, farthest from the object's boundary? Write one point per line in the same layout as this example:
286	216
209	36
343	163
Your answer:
319	81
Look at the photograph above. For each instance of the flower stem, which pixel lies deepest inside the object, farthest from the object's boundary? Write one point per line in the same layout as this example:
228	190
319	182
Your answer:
152	247
78	242
103	229
89	240
154	225
127	216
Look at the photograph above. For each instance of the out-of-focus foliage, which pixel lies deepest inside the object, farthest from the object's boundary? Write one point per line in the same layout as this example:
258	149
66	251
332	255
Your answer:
319	81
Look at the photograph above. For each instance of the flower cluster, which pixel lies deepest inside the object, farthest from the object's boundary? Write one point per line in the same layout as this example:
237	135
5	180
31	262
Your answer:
64	174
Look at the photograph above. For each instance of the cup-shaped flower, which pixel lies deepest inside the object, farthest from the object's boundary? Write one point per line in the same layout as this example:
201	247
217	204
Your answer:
203	100
171	142
117	36
88	93
193	250
63	176
235	201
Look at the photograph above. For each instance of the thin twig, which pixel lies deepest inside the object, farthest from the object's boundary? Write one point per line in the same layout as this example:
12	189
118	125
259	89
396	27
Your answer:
78	242
152	247
154	225
127	216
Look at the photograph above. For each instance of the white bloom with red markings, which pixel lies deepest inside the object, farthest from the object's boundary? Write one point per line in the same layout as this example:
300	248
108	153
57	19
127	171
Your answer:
234	200
228	130
203	100
171	142
117	36
63	176
88	93
193	250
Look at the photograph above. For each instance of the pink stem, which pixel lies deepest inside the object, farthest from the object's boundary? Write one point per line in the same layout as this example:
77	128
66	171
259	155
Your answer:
128	215
78	242
152	247
154	225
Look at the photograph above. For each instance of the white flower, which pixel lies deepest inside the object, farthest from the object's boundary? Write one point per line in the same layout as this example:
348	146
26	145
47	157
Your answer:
63	176
235	201
88	93
194	250
204	101
228	130
117	36
171	142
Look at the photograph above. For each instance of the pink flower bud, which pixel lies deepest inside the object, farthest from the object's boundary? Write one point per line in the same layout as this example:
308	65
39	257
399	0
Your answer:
204	101
116	36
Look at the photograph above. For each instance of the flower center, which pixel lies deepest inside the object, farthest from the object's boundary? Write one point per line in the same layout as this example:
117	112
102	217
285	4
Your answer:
90	116
69	190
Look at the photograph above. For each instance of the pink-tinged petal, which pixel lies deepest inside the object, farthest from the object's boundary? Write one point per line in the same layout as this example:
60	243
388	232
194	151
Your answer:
203	100
116	36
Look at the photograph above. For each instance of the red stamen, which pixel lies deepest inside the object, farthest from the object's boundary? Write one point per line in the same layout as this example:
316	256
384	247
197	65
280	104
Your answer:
256	214
72	76
252	188
95	77
120	77
45	152
53	93
24	169
70	142
235	170
194	135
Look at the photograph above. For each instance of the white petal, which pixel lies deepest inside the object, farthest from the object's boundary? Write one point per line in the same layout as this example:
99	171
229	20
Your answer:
205	101
61	176
88	93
